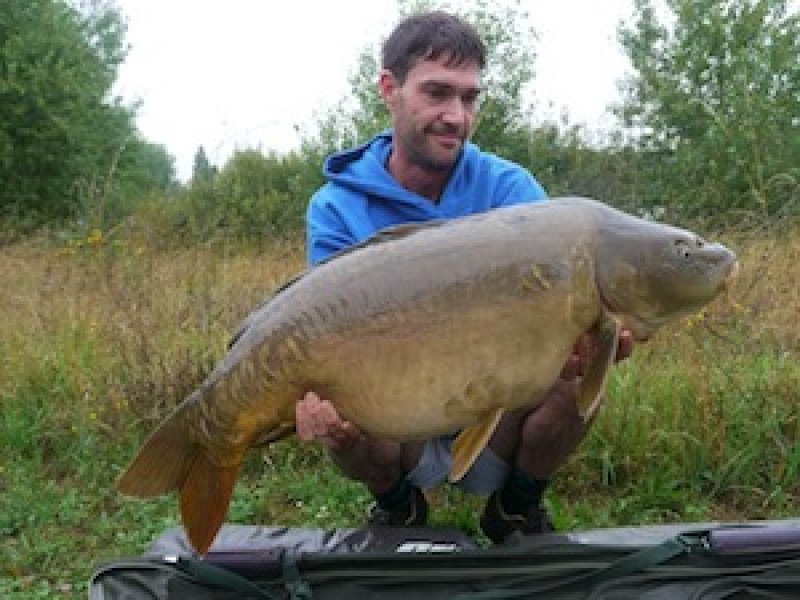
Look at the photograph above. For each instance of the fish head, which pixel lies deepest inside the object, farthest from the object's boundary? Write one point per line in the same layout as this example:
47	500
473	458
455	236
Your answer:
649	274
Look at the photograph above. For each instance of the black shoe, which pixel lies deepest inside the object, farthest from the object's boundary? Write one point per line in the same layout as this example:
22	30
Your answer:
499	526
413	514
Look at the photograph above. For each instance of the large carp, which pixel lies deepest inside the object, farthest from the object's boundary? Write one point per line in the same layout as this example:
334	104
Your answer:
428	329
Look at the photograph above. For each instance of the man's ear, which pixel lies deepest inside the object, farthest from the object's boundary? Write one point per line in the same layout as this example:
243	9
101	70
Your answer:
389	87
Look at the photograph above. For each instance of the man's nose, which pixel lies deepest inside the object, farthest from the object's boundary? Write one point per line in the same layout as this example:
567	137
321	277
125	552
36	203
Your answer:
455	111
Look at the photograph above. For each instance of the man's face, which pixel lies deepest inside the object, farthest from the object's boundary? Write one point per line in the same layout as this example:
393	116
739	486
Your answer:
433	111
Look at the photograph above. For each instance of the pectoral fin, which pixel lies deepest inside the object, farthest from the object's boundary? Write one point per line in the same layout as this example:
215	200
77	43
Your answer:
469	443
593	383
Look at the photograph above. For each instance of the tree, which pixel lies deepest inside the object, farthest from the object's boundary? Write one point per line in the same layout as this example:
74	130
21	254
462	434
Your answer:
253	196
146	167
202	169
59	126
714	103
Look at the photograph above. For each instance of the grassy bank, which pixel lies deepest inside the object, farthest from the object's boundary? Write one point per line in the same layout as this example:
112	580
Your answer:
100	338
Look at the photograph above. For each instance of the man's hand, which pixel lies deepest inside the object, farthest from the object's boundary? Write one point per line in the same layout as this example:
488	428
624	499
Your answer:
317	419
578	363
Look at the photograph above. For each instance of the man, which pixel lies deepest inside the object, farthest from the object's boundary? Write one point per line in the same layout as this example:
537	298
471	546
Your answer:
423	169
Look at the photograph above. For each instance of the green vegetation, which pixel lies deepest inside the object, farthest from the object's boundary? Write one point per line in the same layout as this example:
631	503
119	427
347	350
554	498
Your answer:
63	138
716	97
707	125
119	287
102	337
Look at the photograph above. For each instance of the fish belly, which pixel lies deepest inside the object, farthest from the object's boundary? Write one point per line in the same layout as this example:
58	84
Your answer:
416	374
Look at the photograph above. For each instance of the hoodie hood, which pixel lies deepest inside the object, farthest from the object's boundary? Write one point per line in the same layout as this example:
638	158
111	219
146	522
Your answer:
362	197
363	170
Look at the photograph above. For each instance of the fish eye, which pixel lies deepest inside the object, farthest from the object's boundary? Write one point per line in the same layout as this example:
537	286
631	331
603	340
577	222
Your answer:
682	249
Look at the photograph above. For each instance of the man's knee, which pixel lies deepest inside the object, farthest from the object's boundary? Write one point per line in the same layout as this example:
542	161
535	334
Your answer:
375	462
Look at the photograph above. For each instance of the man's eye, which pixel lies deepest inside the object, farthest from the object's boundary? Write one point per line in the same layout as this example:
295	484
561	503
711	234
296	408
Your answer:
439	93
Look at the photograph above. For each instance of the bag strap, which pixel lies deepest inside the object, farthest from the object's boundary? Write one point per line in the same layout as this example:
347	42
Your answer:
220	577
298	588
627	565
223	578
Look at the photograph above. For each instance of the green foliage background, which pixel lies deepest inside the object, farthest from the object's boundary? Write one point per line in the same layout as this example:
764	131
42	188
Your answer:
715	101
63	138
708	124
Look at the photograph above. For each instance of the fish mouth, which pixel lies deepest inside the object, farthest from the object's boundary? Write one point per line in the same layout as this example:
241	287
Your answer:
732	272
722	260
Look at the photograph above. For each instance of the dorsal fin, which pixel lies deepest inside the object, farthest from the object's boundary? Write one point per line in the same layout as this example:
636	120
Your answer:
248	320
387	234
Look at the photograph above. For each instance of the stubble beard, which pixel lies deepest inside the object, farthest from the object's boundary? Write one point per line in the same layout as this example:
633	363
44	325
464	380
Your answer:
421	150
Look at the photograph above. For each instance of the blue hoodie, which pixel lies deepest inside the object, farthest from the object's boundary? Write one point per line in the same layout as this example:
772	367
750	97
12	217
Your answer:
361	197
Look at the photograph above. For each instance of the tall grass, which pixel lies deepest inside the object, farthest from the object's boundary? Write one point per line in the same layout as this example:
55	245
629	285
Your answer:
100	337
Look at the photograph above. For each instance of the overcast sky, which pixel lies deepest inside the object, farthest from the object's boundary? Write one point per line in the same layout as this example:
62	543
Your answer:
243	73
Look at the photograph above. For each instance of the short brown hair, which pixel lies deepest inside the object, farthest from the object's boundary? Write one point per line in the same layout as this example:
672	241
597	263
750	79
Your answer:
427	36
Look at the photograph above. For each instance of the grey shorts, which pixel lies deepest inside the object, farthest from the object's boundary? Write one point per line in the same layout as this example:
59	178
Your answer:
487	474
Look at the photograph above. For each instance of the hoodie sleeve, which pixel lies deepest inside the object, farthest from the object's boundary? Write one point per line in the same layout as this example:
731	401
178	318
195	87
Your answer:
519	187
484	181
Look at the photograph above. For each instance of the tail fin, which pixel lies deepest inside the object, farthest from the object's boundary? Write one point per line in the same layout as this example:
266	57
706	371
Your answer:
162	462
205	496
169	461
